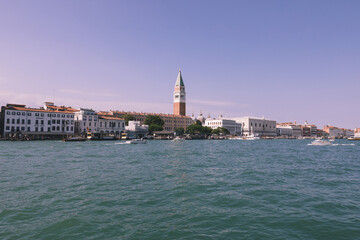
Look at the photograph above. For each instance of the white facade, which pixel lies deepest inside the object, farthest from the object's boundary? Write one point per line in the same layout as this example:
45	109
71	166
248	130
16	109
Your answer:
231	125
86	121
19	119
257	126
111	125
289	130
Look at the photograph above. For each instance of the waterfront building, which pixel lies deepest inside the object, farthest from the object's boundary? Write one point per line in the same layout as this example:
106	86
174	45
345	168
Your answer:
231	125
171	121
111	125
334	132
37	123
179	96
288	129
257	126
309	130
136	130
357	132
86	121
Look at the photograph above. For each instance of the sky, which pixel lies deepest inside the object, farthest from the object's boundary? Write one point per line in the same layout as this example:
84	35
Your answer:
282	60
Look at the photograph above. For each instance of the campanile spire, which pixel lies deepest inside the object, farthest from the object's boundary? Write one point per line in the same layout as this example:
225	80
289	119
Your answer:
179	96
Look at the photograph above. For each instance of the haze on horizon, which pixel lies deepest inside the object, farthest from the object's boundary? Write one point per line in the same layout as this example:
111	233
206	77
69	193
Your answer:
284	60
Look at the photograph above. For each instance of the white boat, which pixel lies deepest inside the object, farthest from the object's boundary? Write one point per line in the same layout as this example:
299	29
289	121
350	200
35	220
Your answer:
136	141
320	143
178	139
251	137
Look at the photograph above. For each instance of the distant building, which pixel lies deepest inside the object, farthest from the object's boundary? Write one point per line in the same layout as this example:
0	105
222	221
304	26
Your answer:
257	126
335	132
37	123
288	130
86	121
231	125
111	125
135	129
357	132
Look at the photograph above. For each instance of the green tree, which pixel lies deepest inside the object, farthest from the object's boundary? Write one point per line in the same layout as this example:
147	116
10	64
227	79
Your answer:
152	119
179	131
194	128
206	130
155	127
198	122
128	117
220	130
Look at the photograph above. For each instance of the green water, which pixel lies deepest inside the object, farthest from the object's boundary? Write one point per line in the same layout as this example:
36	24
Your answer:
231	189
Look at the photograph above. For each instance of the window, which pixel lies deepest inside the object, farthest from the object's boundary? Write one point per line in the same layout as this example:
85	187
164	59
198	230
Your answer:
36	129
42	122
72	128
49	129
63	122
53	121
95	118
22	121
36	114
49	122
7	128
105	124
42	114
23	113
8	120
100	124
53	128
67	129
118	124
58	115
54	115
84	123
29	114
90	118
72	121
13	121
49	115
42	129
8	112
84	118
18	113
57	128
58	121
13	113
28	129
67	116
62	129
89	124
36	121
95	124
13	129
29	121
63	115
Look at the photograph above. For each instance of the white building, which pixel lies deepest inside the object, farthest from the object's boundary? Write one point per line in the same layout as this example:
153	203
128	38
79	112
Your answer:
257	126
86	121
110	124
231	125
288	129
135	129
37	123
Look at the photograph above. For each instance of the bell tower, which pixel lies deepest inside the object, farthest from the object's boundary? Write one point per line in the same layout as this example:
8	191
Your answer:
179	96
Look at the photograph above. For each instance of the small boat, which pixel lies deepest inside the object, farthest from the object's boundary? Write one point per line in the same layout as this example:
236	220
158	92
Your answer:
320	143
251	137
136	141
178	139
74	139
332	140
354	138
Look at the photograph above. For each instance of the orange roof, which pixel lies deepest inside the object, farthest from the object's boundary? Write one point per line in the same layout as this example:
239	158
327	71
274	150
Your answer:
37	110
109	118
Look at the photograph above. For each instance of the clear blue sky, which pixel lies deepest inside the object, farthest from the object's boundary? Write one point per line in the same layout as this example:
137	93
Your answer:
285	60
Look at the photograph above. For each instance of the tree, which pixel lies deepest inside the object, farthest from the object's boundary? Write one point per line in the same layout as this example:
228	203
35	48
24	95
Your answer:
179	131
198	122
206	130
151	119
219	130
155	127
127	118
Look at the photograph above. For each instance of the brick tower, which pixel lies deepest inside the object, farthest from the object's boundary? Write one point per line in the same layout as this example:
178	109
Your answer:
179	96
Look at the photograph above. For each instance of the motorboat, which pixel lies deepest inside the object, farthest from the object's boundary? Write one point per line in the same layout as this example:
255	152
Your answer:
136	141
319	142
354	138
251	137
178	139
